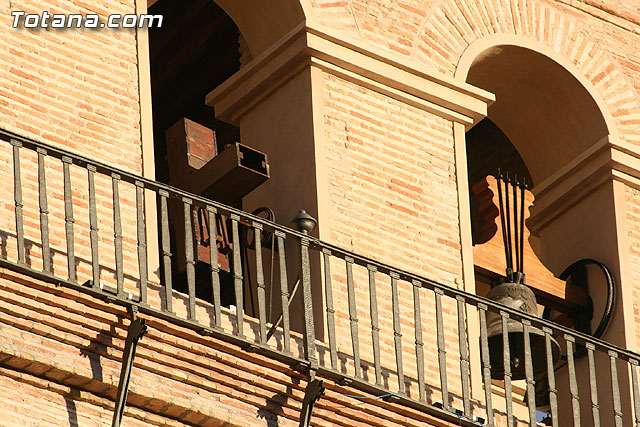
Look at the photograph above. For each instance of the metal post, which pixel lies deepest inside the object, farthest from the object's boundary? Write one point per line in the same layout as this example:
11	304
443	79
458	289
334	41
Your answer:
68	218
331	322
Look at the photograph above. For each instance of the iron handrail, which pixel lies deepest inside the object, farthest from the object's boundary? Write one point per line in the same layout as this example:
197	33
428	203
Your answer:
309	360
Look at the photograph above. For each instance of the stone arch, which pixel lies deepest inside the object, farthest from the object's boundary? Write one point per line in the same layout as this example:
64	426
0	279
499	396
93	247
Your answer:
263	22
453	27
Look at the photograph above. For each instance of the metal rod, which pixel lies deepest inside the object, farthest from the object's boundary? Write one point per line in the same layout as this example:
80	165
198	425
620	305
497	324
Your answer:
418	335
117	233
464	356
551	377
509	237
353	317
166	250
515	223
271	268
615	389
93	226
214	268
573	384
636	390
595	408
135	332
189	261
17	197
262	303
397	332
522	215
68	219
442	352
141	227
237	275
506	362
528	367
375	329
284	293
486	364
307	300
503	223
331	322
44	211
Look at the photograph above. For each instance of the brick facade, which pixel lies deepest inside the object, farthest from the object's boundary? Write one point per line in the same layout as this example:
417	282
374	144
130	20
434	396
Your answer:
392	195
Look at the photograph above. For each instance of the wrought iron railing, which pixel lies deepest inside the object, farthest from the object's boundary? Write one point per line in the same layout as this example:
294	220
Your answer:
378	328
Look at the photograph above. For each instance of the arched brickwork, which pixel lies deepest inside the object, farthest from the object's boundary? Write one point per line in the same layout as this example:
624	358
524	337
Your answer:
453	26
437	33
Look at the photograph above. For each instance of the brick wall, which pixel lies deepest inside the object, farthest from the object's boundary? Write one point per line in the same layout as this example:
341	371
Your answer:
596	37
393	197
392	193
391	181
64	349
75	88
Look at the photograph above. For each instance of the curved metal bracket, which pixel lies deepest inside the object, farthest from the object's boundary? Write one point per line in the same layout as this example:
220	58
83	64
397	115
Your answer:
608	308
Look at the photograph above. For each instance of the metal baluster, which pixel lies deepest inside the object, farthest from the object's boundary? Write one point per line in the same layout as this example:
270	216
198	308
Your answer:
397	332
464	356
215	269
375	329
142	241
573	383
309	326
551	377
262	303
68	218
188	251
506	361
442	352
528	368
353	315
418	334
486	363
166	250
93	226
17	197
44	211
615	389
237	275
117	232
636	390
284	293
595	408
331	322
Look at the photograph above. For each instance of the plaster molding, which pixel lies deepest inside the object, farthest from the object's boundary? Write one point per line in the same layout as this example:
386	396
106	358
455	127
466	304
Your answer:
378	71
608	160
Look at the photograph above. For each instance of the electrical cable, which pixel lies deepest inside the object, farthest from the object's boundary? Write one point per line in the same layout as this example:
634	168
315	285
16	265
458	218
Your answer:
365	397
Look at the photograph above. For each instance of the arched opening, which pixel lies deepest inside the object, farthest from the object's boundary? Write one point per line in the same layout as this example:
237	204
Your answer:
544	111
543	119
194	51
198	49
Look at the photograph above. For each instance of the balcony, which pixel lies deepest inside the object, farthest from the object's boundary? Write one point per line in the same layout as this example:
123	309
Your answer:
324	311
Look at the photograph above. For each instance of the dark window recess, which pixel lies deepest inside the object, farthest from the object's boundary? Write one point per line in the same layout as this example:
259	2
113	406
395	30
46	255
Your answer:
195	51
489	149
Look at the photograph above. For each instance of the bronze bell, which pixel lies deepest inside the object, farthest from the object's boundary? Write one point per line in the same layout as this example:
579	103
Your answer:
519	297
